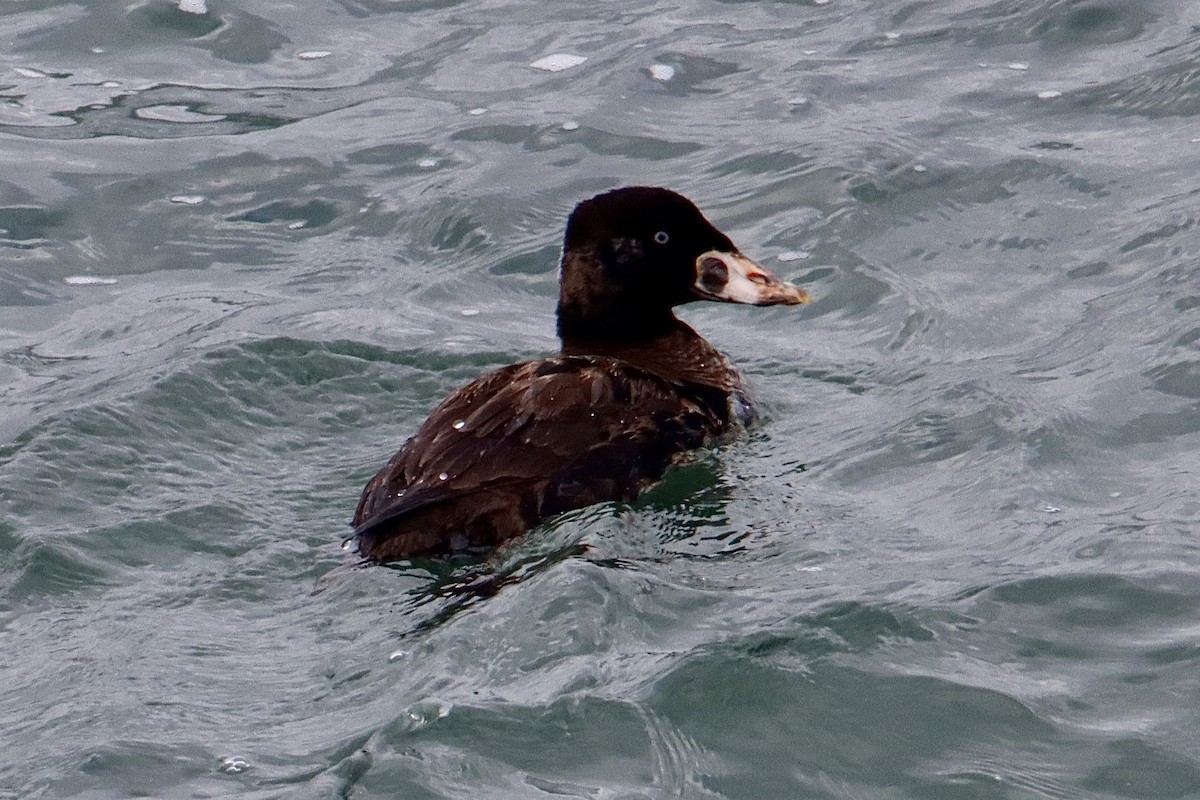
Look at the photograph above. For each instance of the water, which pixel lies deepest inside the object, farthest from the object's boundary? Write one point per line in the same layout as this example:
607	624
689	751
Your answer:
243	253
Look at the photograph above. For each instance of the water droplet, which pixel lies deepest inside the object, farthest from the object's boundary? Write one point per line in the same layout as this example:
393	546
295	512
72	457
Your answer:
458	426
443	476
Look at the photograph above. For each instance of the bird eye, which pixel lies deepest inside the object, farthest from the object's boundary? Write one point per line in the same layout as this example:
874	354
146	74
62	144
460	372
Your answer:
661	237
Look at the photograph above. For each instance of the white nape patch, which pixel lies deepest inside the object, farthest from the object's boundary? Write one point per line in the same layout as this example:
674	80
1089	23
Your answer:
193	6
662	72
557	62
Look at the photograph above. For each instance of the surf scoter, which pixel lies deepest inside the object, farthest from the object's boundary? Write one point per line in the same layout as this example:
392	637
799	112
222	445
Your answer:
632	389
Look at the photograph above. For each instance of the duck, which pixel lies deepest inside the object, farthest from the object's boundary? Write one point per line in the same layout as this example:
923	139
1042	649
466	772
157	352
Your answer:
632	391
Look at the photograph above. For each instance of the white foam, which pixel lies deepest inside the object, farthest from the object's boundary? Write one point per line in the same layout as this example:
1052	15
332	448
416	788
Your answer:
188	199
557	62
1017	65
193	6
662	72
1049	94
88	280
175	113
309	55
570	125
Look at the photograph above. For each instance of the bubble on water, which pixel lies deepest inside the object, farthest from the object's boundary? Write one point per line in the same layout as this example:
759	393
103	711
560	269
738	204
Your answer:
188	199
570	125
424	712
1049	94
233	765
557	62
662	72
309	55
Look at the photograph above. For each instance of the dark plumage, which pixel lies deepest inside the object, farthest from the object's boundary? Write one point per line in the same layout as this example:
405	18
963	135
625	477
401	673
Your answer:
632	390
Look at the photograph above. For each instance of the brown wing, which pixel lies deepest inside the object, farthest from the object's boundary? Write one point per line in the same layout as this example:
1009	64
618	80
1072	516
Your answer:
526	442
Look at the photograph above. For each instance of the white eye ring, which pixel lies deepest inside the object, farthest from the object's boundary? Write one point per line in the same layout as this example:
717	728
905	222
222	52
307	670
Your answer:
661	237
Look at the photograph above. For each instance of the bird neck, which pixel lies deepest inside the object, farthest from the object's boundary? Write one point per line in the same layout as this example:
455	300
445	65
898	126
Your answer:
675	352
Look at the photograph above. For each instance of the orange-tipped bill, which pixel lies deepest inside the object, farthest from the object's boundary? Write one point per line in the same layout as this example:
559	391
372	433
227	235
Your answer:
733	278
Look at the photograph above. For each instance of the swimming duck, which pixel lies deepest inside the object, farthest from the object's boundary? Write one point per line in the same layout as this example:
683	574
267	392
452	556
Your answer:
632	390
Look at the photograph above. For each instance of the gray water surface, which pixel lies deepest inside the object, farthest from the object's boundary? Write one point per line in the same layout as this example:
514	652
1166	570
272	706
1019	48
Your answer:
243	253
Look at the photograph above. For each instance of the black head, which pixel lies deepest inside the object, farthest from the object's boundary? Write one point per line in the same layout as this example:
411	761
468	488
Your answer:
632	254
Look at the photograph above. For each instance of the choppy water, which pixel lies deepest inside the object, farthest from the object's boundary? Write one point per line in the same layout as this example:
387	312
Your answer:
243	253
